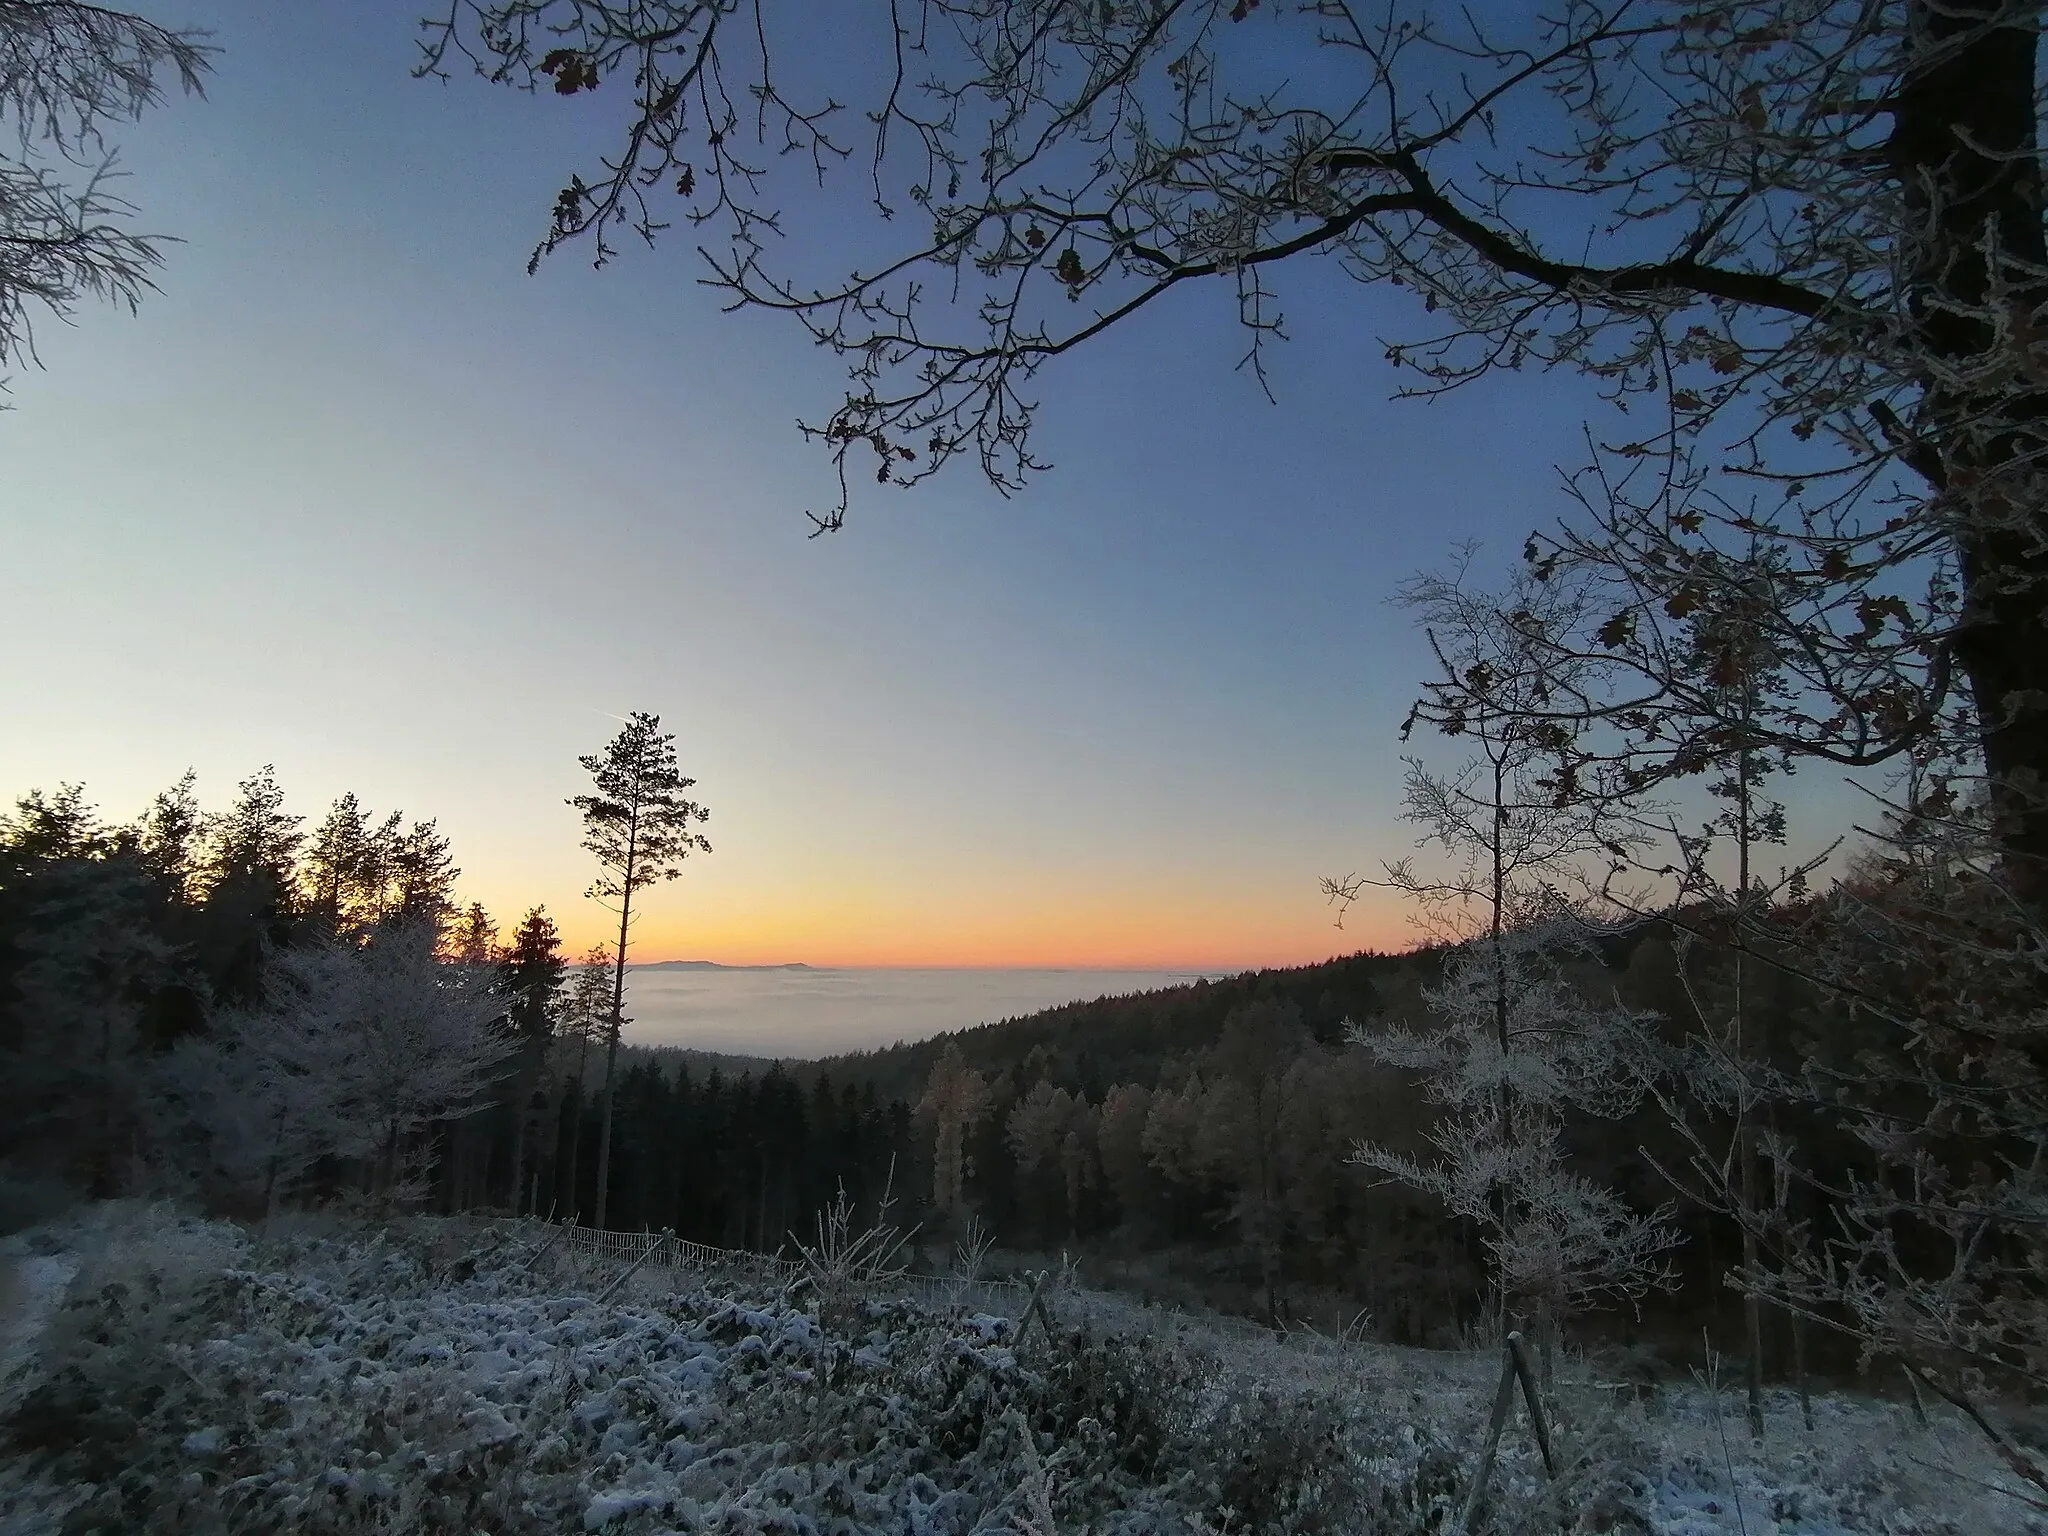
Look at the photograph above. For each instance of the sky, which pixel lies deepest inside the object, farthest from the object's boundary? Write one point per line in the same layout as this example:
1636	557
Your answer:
355	496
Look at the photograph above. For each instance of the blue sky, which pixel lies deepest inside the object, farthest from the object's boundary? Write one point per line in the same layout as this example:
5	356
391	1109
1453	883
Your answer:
355	495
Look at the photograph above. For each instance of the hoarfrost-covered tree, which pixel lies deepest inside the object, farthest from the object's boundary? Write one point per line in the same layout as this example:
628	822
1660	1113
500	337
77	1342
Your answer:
68	73
956	1100
246	1105
1730	938
640	825
1928	1247
1518	1041
1557	1240
358	1047
1925	962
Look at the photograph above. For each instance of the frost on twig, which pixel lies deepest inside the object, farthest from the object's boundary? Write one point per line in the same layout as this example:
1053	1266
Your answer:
844	1261
1519	1038
1555	1238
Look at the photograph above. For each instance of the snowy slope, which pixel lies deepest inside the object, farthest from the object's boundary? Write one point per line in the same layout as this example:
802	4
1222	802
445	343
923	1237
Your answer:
421	1380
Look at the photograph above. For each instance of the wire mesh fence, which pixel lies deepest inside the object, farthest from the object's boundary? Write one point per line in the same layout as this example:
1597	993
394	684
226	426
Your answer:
640	1248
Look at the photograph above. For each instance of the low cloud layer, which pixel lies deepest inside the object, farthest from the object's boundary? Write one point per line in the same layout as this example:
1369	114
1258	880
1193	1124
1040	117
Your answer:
811	1013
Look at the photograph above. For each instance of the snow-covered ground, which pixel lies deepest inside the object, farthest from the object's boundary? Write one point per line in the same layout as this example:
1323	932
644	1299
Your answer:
196	1379
32	1285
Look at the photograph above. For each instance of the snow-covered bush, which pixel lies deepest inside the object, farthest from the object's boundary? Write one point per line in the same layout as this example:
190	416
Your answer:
146	1280
328	1379
1515	1045
414	1382
358	1046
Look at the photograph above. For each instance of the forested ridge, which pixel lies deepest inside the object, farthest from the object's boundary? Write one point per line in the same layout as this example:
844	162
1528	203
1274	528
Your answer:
1194	1142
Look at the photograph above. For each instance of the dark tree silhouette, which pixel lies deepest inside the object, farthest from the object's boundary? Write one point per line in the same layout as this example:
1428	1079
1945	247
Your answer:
534	974
640	825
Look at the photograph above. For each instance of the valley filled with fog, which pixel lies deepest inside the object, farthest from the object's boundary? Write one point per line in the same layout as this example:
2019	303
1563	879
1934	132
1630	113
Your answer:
807	1012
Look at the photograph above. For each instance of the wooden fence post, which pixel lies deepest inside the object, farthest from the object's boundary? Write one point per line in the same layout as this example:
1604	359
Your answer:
633	1268
544	1249
1503	1400
1535	1402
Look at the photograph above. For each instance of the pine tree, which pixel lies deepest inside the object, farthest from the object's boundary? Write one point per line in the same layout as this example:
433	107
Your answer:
423	875
251	848
534	973
167	836
474	939
340	859
639	825
46	827
80	960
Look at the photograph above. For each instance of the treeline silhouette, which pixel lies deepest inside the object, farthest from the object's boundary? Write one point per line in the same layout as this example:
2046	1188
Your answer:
1195	1139
733	1161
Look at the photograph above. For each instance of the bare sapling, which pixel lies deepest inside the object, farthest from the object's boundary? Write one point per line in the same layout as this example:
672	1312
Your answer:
1517	1040
845	1260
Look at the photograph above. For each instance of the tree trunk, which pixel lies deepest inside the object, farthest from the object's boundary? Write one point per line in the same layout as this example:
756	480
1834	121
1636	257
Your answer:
568	1187
1747	1047
569	1168
1799	1369
611	1049
1963	146
520	1110
604	1135
526	1086
270	1169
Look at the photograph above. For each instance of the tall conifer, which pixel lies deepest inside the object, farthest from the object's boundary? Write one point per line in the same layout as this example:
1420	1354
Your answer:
640	825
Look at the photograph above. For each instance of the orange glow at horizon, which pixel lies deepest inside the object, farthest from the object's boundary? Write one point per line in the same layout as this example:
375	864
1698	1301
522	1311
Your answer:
1103	933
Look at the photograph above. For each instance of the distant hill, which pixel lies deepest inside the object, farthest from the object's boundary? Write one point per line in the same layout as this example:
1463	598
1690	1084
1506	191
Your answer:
1093	1045
701	1064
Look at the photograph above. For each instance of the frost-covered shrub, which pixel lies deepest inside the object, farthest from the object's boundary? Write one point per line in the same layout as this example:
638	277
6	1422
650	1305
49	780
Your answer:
333	1382
1284	1465
415	1380
1139	1393
146	1280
